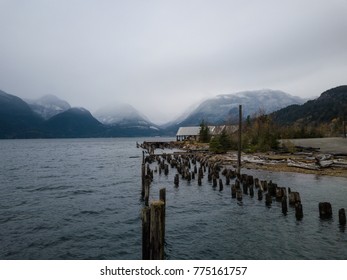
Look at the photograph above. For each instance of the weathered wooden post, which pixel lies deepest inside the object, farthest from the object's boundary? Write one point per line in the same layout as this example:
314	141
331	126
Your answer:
256	183
233	191
237	184
227	180
263	185
239	195
245	187
189	176
209	177
214	180
298	211
177	180
201	172
162	197
220	184
260	194
325	210
342	217
239	146
294	197
147	183
280	193
284	205
199	180
146	220
156	230
251	191
268	199
166	169
143	171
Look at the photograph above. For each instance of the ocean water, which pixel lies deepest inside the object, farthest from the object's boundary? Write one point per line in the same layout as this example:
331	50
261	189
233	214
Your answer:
81	199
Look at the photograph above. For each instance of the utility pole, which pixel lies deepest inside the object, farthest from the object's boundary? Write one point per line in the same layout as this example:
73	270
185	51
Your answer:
344	129
239	142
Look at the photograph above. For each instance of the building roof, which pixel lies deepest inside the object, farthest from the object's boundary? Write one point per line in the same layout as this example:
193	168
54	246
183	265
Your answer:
214	130
188	131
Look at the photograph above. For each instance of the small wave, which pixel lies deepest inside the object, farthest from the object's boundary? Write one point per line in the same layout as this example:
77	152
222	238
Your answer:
50	188
4	220
89	213
78	192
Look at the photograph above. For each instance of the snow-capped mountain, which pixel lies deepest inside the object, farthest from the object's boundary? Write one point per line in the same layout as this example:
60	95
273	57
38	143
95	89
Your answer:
123	115
48	106
224	108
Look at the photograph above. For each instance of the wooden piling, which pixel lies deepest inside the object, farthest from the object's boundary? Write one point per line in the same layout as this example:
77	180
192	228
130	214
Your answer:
237	184
284	205
294	197
342	217
220	184
162	197
156	231
251	191
214	181
245	188
188	176
177	180
298	211
227	180
166	169
256	183
239	195
325	210
263	186
146	197
280	193
143	179
260	194
146	221
233	191
199	180
268	199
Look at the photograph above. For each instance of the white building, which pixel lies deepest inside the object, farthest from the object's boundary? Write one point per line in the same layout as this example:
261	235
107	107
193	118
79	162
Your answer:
193	132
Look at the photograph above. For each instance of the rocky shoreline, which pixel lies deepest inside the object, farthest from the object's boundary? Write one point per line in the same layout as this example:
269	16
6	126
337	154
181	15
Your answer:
310	161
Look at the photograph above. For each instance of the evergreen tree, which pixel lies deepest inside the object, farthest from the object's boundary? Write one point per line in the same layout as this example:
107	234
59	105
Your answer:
204	133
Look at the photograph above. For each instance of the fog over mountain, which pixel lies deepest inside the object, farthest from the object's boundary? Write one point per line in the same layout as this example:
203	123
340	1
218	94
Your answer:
119	113
48	106
224	107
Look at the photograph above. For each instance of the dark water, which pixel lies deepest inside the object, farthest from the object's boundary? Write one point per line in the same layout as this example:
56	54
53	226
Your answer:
80	199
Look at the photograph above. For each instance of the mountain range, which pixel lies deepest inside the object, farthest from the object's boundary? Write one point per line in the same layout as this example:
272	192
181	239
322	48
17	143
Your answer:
51	117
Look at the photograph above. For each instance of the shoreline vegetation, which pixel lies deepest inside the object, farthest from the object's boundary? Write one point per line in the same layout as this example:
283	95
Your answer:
324	156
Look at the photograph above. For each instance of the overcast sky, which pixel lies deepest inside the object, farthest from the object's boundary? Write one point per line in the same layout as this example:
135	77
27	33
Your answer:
162	56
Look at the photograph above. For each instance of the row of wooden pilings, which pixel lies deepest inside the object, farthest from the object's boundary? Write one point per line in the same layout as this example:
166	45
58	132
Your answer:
187	169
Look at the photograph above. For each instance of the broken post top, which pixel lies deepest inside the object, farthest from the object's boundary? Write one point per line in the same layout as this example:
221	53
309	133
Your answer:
157	203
